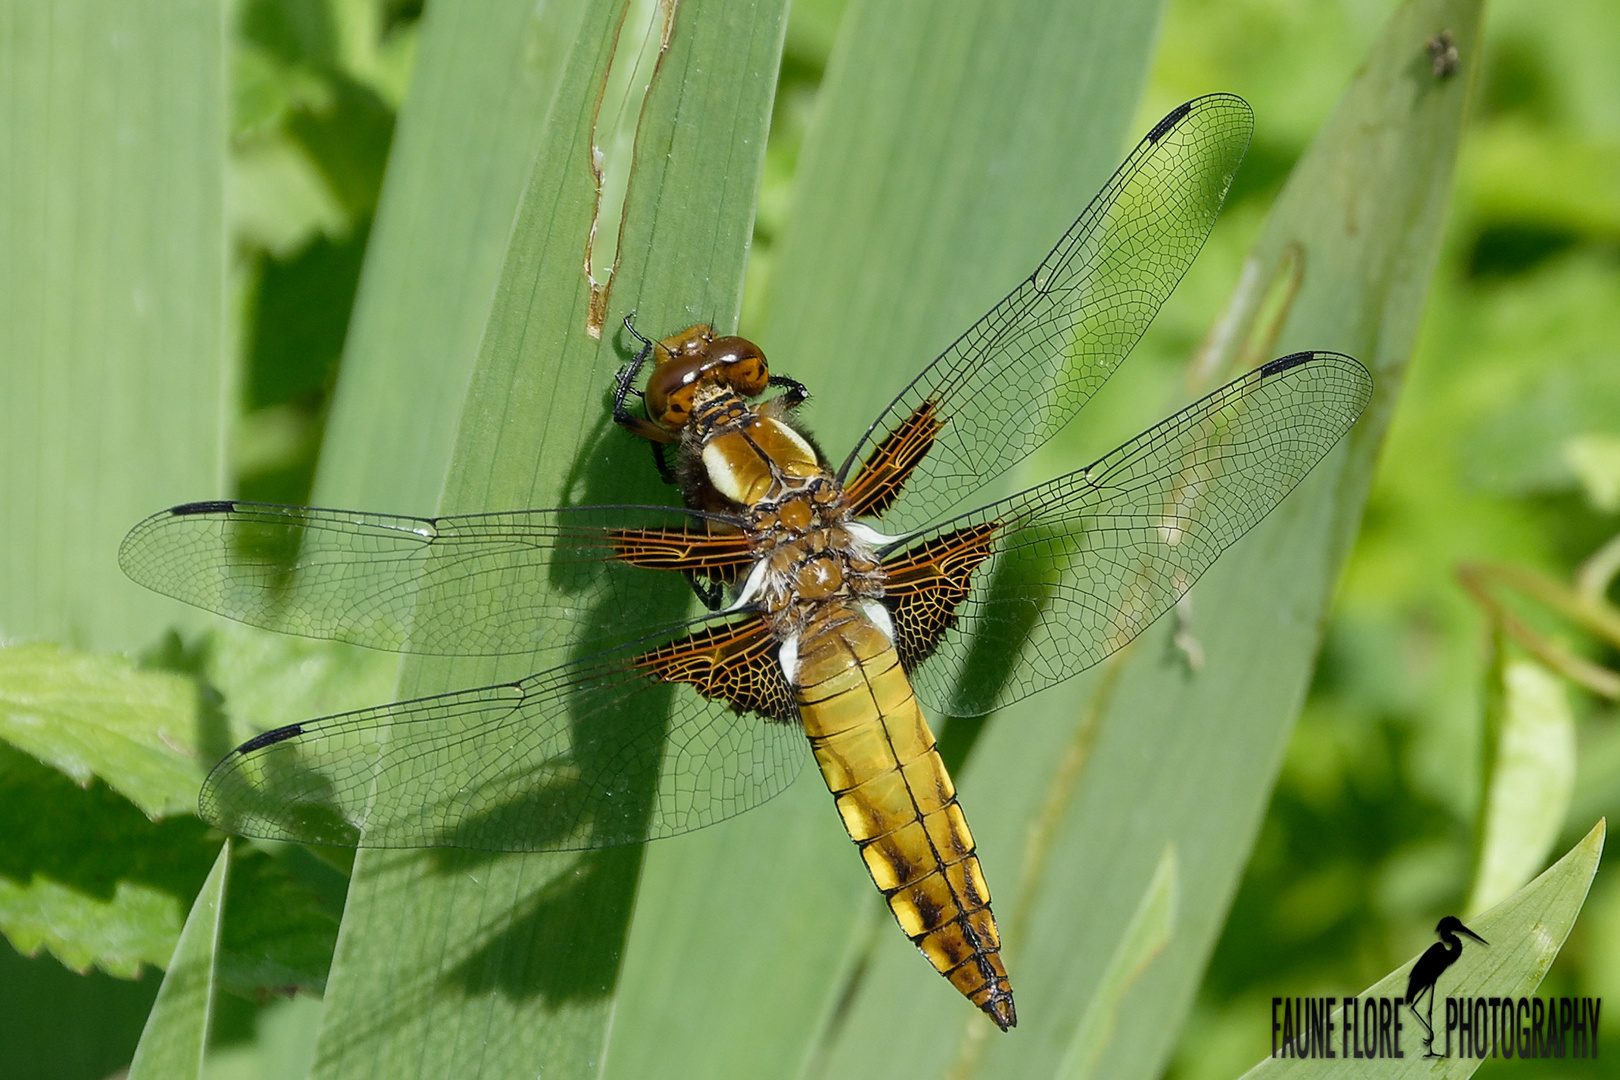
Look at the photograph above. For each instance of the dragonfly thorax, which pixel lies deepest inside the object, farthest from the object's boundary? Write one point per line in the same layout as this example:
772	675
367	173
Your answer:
809	555
757	457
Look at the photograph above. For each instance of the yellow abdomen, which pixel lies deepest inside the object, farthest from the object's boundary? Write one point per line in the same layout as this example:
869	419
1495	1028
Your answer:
898	803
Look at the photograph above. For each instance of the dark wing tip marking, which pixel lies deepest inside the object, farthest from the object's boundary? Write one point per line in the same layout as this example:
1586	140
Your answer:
1352	368
1173	118
1284	363
270	738
217	506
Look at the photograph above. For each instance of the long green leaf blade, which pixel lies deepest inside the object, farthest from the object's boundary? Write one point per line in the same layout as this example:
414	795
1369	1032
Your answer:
485	81
1090	829
111	299
1359	223
171	1047
453	964
948	153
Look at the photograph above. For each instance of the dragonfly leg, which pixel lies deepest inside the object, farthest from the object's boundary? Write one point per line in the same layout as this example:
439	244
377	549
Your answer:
708	590
797	393
624	386
664	470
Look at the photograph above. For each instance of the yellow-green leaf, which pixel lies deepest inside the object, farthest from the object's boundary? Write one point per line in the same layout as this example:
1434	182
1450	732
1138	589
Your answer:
171	1047
1532	777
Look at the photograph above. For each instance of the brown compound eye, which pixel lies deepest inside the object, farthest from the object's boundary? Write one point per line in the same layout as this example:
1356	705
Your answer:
740	364
670	389
693	356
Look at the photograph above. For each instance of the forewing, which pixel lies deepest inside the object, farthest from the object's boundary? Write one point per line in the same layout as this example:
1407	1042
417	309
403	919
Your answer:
530	581
1026	368
586	755
1038	587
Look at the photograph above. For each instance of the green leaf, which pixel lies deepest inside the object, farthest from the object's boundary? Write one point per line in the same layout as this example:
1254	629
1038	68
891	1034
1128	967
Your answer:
458	962
1166	755
485	81
1145	937
1594	458
265	678
100	716
87	876
1343	263
280	928
1531	780
111	300
171	1047
1525	933
945	158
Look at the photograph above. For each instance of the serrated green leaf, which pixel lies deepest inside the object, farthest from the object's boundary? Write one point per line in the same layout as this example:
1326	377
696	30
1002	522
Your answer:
1524	933
111	300
94	716
171	1047
266	678
87	876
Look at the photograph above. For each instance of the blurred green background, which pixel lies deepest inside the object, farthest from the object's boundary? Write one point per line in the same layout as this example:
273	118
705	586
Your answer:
1497	453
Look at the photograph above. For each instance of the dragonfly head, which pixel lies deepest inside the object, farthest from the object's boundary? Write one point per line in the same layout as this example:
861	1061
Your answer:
695	357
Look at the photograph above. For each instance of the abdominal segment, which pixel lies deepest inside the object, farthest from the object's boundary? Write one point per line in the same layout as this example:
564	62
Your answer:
899	805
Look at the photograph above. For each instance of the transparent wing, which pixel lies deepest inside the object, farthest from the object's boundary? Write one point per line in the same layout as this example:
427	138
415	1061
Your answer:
530	581
1050	581
1026	368
586	755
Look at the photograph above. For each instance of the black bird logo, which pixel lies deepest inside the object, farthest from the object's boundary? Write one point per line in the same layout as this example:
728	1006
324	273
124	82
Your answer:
1426	972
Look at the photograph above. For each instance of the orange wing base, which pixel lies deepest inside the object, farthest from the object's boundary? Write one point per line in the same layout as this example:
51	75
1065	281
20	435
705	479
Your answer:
885	472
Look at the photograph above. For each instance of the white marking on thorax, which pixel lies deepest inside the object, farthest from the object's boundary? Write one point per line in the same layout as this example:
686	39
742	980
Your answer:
788	657
721	474
870	536
751	587
878	615
787	432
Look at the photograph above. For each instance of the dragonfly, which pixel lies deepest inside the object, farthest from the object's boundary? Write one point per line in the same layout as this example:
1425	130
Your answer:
829	609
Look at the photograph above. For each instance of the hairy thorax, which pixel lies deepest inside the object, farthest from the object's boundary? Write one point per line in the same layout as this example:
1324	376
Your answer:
814	562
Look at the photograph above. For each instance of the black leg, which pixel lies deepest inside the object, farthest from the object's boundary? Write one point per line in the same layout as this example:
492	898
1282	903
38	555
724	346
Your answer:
708	590
664	471
797	393
624	385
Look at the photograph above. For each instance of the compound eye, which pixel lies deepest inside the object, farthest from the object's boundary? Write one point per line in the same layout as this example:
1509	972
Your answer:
742	364
670	389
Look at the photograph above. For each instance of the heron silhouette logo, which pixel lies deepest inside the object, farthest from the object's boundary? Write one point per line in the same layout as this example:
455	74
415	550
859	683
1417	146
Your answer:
1370	1025
1426	972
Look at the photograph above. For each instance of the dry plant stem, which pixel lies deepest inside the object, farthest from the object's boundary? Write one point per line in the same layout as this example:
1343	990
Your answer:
1593	578
1596	616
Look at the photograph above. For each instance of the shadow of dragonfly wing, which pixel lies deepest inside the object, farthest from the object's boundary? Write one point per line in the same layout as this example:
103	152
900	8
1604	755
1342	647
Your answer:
640	742
494	584
1026	592
1028	366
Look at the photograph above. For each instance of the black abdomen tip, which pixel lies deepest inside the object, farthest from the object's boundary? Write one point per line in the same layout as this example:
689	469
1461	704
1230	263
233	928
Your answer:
999	1007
